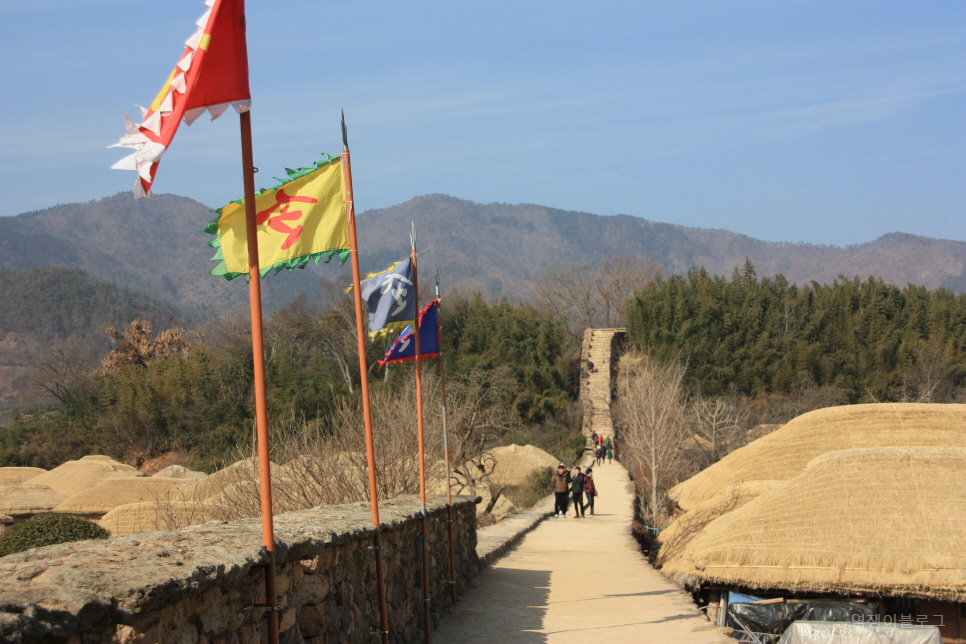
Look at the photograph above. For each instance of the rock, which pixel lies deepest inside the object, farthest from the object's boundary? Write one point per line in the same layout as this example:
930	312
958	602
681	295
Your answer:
313	621
286	620
314	589
33	614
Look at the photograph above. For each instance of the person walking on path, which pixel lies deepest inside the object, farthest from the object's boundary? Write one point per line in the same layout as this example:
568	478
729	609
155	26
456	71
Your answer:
610	455
577	490
590	490
607	443
593	438
540	591
561	485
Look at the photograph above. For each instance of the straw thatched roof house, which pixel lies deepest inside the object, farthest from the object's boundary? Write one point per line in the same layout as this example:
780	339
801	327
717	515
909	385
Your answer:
107	495
146	517
783	453
514	463
11	475
686	526
885	521
243	471
24	499
76	476
180	472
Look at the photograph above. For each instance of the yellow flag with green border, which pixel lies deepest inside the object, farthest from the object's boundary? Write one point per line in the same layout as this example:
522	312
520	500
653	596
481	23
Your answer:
301	220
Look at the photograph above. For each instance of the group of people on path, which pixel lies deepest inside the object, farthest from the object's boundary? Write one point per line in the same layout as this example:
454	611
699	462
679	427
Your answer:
580	486
575	487
603	448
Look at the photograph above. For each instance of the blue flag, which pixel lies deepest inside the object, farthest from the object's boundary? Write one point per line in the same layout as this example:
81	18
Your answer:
404	347
389	296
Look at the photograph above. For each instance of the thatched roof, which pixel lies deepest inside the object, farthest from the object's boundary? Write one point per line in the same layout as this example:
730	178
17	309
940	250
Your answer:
146	517
241	471
76	476
111	493
11	475
180	472
784	452
28	498
515	462
5	520
876	520
685	527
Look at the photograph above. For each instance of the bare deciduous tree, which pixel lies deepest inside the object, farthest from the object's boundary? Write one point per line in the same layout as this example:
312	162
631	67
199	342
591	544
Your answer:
588	296
650	418
59	372
930	369
720	423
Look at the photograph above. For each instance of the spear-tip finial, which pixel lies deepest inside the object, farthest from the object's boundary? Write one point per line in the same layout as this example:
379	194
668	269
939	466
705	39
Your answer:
412	235
345	134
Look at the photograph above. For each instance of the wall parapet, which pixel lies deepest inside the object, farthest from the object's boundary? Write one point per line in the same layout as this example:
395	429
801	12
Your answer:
191	586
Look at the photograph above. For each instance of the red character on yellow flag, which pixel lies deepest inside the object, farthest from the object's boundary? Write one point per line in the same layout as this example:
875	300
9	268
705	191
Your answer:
285	214
314	198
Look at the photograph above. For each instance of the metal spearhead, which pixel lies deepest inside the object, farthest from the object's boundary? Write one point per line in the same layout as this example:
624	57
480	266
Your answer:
345	134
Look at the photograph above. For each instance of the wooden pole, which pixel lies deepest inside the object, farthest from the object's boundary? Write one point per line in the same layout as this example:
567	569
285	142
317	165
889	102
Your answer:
258	356
364	385
427	616
449	489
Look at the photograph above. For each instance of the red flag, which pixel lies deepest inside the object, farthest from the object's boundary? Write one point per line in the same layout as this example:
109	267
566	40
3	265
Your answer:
211	74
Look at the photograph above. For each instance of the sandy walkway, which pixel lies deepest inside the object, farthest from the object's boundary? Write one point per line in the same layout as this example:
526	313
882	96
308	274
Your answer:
578	580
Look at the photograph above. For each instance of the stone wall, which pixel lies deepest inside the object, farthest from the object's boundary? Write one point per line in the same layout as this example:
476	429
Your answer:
599	354
192	586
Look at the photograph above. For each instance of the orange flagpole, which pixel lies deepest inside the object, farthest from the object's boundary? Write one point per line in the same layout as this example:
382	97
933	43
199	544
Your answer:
364	385
258	355
442	391
427	617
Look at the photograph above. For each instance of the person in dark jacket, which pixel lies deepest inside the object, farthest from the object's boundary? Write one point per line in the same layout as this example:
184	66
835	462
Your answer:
561	484
577	491
590	490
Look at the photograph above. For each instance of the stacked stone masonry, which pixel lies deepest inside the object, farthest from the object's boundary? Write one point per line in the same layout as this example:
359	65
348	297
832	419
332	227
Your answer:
598	365
196	585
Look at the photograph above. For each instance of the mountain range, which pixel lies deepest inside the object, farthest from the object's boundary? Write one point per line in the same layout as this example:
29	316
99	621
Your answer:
156	246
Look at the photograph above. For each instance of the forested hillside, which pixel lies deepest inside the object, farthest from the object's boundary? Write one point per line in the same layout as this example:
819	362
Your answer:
54	316
511	370
865	339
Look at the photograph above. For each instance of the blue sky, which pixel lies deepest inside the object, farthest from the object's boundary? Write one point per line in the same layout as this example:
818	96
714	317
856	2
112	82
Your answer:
824	122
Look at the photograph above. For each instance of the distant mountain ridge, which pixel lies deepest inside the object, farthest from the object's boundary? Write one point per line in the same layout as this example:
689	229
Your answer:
502	247
156	246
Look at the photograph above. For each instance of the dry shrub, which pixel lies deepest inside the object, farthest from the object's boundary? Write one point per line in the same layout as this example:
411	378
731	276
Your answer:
326	464
136	346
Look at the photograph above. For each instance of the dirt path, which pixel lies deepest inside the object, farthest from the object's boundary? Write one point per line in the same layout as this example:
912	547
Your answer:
578	580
